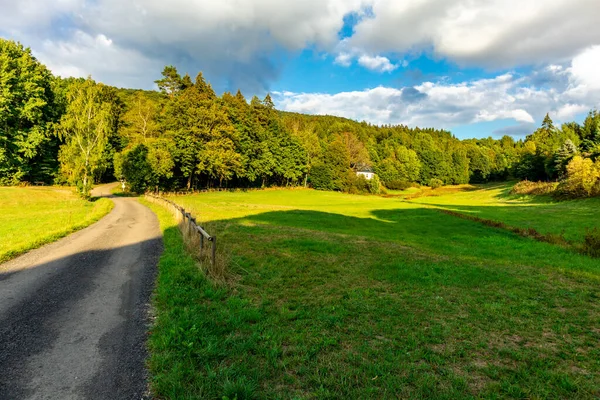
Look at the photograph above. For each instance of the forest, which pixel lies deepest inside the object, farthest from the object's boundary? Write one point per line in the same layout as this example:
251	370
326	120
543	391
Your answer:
76	131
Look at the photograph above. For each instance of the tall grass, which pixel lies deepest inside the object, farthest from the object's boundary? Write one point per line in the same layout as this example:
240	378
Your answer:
534	188
196	245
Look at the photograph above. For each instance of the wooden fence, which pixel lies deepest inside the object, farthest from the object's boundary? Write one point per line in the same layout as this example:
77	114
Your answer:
189	223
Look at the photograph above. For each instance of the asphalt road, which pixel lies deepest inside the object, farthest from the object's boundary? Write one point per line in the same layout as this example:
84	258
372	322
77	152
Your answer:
74	314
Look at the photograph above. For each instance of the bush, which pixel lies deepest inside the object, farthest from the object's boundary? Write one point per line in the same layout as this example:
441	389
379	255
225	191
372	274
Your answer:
321	177
357	184
374	185
582	180
534	188
136	169
435	183
591	243
398	185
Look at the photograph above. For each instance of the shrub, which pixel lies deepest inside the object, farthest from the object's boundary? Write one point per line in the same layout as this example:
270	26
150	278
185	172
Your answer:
398	185
374	185
435	183
357	184
136	169
591	243
534	188
582	180
321	177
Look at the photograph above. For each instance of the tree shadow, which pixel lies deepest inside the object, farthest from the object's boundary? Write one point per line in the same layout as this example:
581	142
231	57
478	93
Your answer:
425	229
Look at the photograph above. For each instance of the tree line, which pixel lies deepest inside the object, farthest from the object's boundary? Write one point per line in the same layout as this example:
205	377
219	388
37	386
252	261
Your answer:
184	135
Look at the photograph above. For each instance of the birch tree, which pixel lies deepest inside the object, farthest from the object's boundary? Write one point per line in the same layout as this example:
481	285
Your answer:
85	128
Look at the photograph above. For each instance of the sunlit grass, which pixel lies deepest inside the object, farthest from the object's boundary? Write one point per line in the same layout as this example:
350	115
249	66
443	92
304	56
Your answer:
342	296
542	213
30	217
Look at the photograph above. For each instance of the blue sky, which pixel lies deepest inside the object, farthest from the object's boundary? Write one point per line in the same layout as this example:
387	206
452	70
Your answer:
482	68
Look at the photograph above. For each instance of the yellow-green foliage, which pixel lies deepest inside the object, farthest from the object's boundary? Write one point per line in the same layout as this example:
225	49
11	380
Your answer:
30	217
583	178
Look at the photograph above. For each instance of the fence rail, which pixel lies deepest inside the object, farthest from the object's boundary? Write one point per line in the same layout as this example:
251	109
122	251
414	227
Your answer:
189	222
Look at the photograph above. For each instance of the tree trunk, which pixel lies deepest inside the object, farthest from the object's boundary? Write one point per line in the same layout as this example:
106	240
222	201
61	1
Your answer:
189	182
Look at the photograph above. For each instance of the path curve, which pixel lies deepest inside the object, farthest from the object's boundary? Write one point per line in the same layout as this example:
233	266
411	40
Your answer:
74	313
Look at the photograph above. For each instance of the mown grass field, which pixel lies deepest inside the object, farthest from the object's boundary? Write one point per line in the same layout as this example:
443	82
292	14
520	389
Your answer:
339	296
31	217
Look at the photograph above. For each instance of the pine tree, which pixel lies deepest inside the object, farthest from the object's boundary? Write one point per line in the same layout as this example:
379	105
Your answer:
171	83
562	157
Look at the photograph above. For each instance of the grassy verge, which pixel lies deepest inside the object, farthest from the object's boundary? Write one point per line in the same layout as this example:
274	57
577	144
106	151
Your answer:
362	297
31	217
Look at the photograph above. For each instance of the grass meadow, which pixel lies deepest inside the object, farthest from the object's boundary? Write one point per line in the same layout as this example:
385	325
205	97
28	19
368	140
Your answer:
339	296
31	217
543	213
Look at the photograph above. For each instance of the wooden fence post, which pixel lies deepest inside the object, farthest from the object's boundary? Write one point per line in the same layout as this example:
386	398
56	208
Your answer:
214	251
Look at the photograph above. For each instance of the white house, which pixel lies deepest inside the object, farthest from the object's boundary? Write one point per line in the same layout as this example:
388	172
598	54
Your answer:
367	172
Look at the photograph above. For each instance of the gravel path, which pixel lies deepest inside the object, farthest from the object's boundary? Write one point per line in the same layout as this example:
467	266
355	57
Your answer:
74	314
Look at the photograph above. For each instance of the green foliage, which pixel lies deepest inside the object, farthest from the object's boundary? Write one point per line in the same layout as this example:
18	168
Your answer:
374	185
562	157
140	123
435	183
321	177
136	169
398	185
27	111
195	138
85	128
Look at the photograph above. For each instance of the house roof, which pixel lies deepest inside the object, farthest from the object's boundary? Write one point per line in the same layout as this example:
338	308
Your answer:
365	169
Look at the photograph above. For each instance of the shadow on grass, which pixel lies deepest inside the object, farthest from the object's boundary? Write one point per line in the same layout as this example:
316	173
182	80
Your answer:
407	303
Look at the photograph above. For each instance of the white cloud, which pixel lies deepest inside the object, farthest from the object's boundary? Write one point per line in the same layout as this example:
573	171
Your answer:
446	105
235	40
377	63
344	59
97	55
34	14
569	111
586	68
232	41
493	33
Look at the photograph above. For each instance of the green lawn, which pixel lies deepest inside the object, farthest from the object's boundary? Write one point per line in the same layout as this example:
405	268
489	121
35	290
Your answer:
339	296
30	217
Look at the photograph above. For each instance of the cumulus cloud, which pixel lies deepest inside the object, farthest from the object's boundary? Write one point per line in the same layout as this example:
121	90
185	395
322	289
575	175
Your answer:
446	105
377	63
235	42
492	33
585	68
244	44
98	55
225	36
344	59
